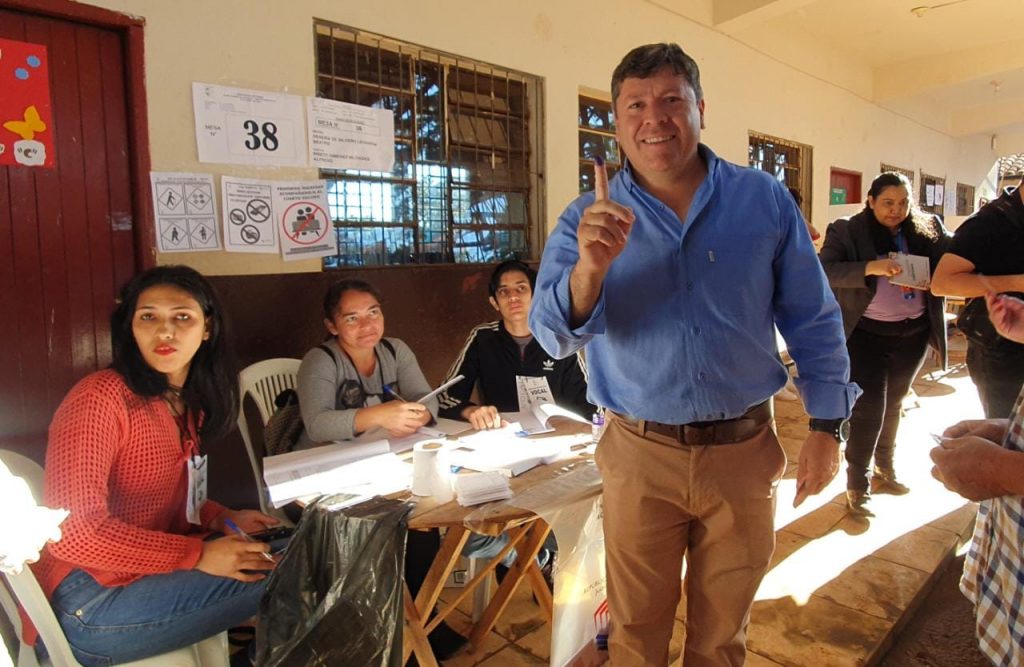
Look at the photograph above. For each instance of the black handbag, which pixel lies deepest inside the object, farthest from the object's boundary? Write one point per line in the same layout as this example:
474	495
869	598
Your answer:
975	324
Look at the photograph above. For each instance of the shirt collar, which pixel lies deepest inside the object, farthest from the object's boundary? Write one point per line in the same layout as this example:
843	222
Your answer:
631	184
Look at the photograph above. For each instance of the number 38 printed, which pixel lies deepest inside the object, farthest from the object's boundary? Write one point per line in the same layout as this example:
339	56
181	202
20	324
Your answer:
261	135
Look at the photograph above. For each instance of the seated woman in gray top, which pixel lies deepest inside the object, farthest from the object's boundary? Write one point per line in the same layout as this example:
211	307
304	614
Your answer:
358	380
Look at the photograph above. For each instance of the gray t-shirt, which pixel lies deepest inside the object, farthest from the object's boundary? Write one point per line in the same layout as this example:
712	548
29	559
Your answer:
331	390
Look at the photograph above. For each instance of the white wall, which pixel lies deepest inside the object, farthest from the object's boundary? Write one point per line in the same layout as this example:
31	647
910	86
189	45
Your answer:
268	44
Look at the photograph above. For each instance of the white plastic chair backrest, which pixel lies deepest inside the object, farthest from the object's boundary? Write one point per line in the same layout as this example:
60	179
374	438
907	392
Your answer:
211	652
263	381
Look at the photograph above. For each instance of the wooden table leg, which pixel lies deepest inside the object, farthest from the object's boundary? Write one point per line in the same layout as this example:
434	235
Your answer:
525	562
414	638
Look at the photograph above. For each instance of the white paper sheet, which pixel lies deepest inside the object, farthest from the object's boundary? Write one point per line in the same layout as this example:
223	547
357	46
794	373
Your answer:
350	136
305	228
185	212
256	127
326	469
248	215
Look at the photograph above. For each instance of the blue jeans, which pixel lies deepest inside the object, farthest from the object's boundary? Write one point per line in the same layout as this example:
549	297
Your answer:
156	614
488	546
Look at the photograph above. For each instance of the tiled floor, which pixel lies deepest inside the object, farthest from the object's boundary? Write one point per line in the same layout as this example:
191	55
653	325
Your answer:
839	587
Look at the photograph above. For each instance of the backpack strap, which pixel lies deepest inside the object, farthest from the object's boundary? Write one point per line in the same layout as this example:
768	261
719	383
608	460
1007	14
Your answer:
389	347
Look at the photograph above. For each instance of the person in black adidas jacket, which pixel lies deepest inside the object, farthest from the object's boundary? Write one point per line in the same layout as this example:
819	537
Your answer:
496	352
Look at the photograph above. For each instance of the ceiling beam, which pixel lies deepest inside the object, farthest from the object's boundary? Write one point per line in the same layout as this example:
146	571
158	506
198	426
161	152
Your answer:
920	75
732	16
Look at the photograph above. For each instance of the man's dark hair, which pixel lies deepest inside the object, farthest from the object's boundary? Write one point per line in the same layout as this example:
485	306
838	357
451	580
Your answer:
505	267
646	61
212	382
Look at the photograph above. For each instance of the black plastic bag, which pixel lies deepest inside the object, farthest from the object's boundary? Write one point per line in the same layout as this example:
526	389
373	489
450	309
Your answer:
336	597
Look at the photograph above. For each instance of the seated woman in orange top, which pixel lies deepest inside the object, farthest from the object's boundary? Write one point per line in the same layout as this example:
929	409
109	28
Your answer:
134	575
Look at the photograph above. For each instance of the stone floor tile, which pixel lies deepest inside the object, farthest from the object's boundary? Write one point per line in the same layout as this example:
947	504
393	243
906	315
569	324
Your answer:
877	587
510	656
819	522
537	642
959	521
818	633
923	549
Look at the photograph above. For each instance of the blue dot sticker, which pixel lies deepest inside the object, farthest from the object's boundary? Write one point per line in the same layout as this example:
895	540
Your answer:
33	61
21	73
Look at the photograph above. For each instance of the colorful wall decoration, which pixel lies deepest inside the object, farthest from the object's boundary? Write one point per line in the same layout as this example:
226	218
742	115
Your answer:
26	120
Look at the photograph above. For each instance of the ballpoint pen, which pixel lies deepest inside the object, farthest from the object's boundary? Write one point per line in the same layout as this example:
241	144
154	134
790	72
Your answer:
233	527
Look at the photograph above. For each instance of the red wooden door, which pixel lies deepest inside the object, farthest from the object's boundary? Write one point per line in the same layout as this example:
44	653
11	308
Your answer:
66	237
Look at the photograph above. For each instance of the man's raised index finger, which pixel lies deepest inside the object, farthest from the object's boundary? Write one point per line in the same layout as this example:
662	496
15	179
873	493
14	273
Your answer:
600	179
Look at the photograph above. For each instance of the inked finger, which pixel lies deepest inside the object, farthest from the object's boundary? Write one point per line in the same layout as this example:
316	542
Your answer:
600	179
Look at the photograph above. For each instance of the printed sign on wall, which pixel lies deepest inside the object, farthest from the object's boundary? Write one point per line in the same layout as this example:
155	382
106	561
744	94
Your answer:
26	120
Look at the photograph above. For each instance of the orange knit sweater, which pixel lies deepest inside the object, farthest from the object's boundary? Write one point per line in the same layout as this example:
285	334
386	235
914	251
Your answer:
117	462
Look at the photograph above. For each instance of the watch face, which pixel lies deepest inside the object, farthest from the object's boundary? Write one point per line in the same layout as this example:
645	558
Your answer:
844	430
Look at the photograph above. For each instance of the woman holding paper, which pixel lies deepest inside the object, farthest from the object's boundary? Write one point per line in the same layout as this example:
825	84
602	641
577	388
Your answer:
358	380
888	323
134	575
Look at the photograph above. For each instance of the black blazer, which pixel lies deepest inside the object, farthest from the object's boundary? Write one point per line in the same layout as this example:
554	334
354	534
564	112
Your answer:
848	248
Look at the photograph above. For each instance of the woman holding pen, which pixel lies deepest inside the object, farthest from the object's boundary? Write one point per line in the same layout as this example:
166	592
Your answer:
134	575
888	325
355	380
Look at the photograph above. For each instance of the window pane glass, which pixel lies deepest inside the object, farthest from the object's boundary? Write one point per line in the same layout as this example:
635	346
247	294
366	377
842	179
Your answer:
593	145
596	114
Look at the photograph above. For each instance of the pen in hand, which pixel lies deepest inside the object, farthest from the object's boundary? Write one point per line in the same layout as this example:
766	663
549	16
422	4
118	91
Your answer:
233	527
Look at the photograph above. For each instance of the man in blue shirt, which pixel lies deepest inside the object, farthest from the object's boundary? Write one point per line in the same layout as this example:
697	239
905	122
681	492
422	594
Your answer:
672	276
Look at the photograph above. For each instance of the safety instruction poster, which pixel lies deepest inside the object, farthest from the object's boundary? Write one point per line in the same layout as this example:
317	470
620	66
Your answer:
185	212
247	208
350	136
254	127
305	229
26	121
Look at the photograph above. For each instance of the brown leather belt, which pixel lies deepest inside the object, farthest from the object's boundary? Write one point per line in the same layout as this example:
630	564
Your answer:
722	432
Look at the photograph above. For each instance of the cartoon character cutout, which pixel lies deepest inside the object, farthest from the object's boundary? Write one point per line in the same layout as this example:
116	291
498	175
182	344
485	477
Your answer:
28	151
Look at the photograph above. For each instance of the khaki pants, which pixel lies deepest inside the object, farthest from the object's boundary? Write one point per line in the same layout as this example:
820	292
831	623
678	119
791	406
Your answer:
714	504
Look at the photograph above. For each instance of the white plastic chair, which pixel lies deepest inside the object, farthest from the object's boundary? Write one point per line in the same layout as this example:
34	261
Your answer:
263	381
24	589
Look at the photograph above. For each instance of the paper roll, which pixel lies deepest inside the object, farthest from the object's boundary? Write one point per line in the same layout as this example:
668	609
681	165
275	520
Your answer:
431	475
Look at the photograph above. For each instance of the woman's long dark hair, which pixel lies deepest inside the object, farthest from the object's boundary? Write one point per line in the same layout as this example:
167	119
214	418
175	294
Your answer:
917	227
212	382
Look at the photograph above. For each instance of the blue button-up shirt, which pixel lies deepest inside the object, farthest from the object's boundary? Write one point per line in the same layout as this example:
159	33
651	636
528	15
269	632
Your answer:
683	328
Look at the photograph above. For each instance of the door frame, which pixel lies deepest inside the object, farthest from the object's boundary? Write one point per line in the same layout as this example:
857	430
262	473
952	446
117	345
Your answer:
132	34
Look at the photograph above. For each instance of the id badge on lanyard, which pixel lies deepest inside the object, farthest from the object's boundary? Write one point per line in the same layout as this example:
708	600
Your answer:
197	470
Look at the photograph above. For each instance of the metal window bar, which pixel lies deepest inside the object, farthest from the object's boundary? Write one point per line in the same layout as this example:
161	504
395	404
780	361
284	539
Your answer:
788	161
485	193
909	173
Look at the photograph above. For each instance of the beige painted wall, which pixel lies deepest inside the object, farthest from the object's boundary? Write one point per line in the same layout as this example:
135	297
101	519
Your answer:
268	44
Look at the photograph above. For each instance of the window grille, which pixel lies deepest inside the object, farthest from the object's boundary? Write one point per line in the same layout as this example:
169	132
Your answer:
788	161
909	173
933	188
964	199
597	138
465	186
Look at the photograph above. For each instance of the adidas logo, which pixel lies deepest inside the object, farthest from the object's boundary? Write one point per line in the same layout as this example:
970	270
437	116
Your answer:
549	366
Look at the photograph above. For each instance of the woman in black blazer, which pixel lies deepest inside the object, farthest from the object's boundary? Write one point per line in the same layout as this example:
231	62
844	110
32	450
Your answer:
888	327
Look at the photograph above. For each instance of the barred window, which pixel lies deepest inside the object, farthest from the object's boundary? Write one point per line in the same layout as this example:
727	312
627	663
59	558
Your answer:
597	138
933	191
964	199
909	173
465	186
788	161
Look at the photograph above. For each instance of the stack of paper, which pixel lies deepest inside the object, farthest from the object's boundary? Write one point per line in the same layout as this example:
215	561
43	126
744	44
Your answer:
505	453
361	469
483	487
